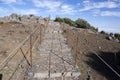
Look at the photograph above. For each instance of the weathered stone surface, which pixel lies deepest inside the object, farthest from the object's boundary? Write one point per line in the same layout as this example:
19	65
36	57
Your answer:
25	19
54	61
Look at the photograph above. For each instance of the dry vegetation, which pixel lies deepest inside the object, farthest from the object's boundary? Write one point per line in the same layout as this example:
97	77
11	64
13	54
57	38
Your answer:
11	35
91	41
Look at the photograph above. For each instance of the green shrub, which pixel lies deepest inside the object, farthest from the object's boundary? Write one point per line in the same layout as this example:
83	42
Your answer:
103	32
19	18
93	28
69	21
117	36
58	19
81	23
31	15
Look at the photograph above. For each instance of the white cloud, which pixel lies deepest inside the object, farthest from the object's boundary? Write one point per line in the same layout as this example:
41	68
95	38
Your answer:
3	11
67	9
50	4
97	5
54	6
86	1
105	5
78	4
115	0
13	1
9	1
25	11
110	13
63	10
96	12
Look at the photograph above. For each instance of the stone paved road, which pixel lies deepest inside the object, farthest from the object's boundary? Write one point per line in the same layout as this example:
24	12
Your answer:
54	61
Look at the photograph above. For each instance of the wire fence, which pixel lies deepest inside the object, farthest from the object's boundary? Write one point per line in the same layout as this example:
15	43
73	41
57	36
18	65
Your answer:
72	36
14	65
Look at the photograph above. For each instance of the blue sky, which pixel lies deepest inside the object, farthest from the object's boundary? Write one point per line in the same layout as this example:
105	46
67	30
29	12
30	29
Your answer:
104	14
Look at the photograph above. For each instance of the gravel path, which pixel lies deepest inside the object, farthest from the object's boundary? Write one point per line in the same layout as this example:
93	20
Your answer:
54	61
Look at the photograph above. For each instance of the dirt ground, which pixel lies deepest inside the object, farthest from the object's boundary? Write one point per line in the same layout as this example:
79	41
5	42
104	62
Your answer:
11	34
89	63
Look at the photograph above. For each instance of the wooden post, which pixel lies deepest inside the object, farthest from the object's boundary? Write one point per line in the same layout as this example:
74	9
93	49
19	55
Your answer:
76	52
25	57
31	49
44	29
62	24
115	59
40	34
67	36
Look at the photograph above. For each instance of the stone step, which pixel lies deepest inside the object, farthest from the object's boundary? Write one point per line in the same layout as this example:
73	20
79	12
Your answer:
42	75
54	60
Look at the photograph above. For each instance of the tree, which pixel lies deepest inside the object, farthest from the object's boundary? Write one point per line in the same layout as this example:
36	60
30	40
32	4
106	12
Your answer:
81	23
117	35
58	19
69	21
31	15
93	28
19	18
103	32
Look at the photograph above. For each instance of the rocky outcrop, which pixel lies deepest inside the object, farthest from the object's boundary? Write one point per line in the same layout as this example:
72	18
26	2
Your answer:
25	19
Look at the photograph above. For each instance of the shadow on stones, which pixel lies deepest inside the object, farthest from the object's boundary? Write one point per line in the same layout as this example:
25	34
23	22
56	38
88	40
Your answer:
95	63
1	76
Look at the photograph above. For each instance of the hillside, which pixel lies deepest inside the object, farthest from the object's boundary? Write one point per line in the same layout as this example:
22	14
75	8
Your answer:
89	42
15	43
83	42
14	30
